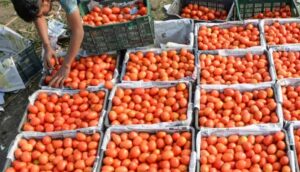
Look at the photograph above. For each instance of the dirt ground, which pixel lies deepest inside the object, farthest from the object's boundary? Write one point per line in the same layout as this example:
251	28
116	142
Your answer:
16	102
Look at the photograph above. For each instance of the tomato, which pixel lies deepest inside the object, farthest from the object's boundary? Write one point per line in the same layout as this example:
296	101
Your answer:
10	169
33	109
43	159
25	157
108	85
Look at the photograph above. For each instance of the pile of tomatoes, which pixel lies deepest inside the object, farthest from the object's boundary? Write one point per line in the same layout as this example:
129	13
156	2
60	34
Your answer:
283	12
215	37
287	64
297	143
109	15
251	68
142	151
199	12
149	105
51	112
277	33
47	154
253	153
291	102
232	108
167	66
87	71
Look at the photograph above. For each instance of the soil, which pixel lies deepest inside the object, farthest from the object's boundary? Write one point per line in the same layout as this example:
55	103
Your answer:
159	11
16	102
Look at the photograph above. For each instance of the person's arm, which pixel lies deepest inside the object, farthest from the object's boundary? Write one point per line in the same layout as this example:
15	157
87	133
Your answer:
42	28
75	24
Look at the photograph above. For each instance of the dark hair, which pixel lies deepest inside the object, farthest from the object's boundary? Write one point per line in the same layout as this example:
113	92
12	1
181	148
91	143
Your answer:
27	9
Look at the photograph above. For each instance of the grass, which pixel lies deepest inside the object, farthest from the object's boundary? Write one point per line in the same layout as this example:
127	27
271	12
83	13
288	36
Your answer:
5	3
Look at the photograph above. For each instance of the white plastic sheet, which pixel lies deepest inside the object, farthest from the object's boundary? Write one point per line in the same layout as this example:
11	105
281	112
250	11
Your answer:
11	43
10	80
174	33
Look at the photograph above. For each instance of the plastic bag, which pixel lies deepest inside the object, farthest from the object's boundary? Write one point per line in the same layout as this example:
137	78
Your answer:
11	43
174	33
55	30
10	79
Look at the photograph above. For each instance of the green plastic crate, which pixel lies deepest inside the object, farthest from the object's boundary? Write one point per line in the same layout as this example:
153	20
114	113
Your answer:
136	33
28	63
246	9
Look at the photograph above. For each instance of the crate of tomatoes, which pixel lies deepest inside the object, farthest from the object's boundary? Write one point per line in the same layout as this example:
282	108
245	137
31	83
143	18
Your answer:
204	10
61	110
229	35
278	32
286	61
59	151
116	25
240	105
288	91
255	150
225	67
152	104
257	9
148	149
155	65
87	72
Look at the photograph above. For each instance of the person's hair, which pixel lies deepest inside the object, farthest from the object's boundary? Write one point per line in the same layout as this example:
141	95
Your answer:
27	9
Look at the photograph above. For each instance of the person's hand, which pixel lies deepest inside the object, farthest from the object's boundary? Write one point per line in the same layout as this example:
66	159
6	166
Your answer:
49	62
59	78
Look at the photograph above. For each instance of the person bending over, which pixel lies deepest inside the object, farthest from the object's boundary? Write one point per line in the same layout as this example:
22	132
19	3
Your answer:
35	11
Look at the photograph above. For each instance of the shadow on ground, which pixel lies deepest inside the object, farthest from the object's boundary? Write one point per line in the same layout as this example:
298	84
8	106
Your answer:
11	118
